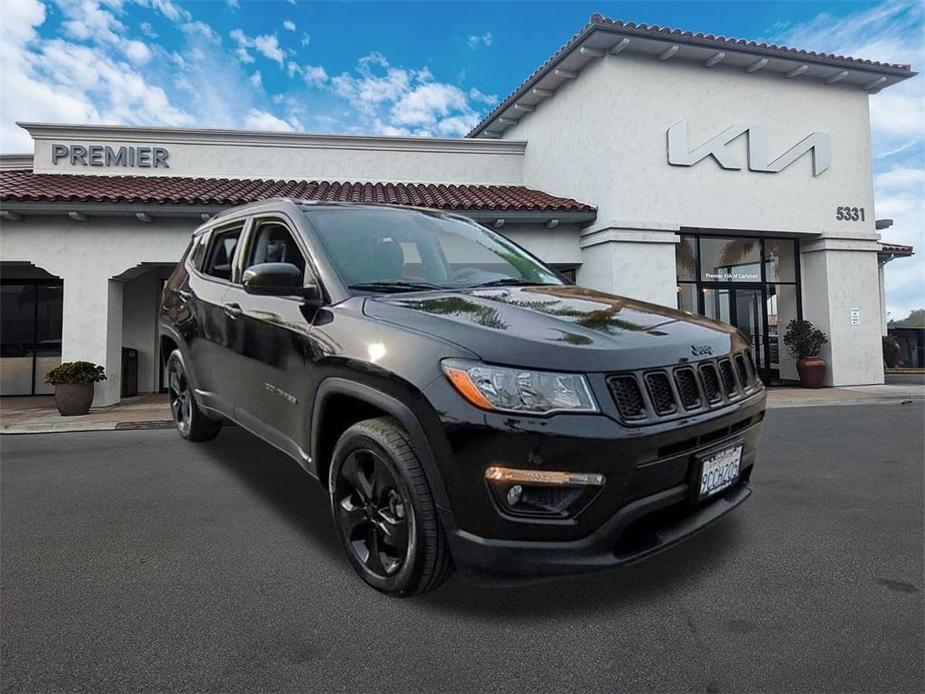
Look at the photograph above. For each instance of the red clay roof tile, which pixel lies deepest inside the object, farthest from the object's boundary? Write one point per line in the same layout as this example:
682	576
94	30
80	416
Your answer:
27	186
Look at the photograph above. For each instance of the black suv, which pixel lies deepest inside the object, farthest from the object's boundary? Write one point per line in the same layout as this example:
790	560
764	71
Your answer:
463	404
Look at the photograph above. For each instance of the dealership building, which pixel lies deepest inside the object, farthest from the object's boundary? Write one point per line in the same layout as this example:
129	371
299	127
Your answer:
729	178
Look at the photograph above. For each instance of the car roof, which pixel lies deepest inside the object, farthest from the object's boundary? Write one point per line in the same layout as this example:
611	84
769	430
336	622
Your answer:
297	204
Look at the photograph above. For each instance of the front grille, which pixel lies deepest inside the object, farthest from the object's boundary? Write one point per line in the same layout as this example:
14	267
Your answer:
687	388
669	392
660	392
628	397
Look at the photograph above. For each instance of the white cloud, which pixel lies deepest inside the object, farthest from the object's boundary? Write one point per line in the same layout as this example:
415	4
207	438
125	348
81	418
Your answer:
147	30
262	120
485	39
233	4
306	39
256	80
314	74
266	44
392	100
168	8
476	95
289	25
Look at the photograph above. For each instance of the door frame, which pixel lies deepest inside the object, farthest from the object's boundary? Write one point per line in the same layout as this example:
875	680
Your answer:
762	284
763	360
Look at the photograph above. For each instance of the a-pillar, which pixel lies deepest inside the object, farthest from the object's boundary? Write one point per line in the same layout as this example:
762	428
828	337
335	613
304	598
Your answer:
92	327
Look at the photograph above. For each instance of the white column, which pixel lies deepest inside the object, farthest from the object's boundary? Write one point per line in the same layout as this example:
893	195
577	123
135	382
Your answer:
841	296
635	263
92	327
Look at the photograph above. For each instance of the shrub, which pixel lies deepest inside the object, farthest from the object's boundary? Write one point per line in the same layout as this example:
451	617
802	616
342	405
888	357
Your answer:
890	342
75	372
803	339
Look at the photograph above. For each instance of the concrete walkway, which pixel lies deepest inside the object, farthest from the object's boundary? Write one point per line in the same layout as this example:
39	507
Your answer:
36	415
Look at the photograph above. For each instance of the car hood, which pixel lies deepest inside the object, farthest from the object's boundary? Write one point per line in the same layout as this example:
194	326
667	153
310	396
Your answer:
562	327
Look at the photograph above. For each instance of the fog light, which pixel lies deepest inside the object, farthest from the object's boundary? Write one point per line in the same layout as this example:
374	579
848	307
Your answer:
514	494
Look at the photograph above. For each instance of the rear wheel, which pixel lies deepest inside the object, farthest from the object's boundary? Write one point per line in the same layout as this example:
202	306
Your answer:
190	421
383	510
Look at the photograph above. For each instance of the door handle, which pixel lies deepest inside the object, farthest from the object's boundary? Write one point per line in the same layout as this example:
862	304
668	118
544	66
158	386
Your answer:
232	310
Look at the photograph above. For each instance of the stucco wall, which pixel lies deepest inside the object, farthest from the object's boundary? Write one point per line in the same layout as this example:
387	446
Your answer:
294	156
602	138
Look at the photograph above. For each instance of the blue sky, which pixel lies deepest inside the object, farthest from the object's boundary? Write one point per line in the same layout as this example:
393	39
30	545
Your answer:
429	69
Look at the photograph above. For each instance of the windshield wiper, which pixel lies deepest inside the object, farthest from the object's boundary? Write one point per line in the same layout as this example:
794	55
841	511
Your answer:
511	282
394	286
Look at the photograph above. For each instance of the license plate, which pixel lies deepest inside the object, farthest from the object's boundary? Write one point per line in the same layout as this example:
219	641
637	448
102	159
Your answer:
719	470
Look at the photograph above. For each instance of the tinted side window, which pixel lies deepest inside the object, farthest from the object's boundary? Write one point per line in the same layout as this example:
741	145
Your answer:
273	243
221	252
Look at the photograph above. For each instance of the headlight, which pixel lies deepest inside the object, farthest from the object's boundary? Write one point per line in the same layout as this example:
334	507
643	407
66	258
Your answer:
519	390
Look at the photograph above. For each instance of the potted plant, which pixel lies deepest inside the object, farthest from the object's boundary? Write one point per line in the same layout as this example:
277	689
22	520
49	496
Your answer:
73	382
892	351
803	341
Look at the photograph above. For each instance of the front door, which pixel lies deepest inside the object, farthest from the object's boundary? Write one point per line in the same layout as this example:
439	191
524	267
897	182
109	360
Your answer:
270	365
743	307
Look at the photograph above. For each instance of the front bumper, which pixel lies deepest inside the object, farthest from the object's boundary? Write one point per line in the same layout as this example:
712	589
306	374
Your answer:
636	531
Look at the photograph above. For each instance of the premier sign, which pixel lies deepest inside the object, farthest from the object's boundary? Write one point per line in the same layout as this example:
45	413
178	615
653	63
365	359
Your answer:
127	156
680	153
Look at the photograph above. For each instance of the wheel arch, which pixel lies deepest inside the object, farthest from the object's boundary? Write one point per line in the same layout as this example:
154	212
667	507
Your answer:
366	401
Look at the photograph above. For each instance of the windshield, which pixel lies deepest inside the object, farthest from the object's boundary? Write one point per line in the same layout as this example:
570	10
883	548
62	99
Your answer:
389	250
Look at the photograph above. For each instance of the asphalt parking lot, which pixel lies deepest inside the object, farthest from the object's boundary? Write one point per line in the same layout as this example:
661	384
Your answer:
135	561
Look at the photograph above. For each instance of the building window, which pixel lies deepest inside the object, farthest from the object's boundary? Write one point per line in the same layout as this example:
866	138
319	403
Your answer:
749	282
30	335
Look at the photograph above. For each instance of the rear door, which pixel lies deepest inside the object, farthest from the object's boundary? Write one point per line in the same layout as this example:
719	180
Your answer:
215	329
269	362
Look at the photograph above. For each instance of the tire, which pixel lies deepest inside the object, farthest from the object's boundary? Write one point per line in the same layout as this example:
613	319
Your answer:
378	491
192	423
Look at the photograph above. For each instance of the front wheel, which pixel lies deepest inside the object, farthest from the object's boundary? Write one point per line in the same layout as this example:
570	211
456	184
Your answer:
191	422
383	510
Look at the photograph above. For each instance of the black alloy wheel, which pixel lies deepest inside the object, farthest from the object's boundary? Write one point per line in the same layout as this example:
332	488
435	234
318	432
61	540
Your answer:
383	510
191	422
373	513
178	392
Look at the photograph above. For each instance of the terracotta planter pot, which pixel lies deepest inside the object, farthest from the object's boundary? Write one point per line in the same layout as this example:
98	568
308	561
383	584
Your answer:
892	355
812	371
73	398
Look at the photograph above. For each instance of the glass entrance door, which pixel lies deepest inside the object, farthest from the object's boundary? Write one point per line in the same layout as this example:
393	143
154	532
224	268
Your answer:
744	308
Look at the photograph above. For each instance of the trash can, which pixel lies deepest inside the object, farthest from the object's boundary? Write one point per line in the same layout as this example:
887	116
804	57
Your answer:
129	372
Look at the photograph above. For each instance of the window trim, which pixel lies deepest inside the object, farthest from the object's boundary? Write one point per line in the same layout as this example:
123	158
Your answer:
311	274
210	234
255	224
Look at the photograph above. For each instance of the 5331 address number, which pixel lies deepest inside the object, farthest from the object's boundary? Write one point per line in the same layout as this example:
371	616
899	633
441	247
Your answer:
849	214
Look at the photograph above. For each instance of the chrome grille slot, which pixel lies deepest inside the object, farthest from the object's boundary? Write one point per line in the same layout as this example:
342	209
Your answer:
660	391
628	397
686	381
742	370
729	379
710	383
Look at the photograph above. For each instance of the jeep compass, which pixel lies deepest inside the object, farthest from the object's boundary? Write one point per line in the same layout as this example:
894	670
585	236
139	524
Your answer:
464	406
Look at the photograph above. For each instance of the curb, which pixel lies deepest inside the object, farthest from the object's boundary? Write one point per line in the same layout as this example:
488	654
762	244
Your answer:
907	400
73	428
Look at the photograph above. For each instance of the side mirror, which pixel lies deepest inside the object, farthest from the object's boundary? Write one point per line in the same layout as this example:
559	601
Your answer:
278	279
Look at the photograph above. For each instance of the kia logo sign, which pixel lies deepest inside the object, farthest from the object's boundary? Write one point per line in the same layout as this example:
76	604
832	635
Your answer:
681	154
